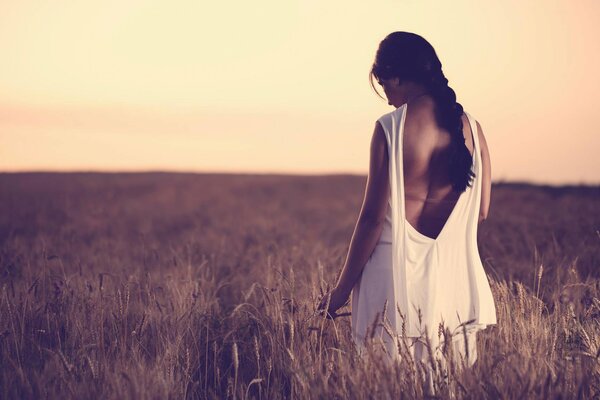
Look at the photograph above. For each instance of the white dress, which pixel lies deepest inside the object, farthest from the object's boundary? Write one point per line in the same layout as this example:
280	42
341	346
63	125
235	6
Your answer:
443	277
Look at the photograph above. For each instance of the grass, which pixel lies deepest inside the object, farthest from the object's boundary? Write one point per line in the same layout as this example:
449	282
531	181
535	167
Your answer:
204	286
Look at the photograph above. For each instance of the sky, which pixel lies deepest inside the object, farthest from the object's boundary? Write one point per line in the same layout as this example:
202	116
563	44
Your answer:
282	86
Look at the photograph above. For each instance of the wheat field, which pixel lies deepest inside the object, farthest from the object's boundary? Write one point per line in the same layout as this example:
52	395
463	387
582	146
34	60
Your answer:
169	286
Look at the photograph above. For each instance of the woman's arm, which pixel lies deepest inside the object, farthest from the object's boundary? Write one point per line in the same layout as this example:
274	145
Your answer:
370	221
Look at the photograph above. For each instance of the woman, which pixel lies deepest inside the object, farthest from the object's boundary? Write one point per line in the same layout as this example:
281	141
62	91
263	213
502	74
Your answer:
413	263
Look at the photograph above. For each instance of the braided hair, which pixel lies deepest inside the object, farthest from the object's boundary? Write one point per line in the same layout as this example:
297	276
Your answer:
410	57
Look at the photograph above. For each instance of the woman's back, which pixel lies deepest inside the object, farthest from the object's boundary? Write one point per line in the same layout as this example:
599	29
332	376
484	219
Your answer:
428	189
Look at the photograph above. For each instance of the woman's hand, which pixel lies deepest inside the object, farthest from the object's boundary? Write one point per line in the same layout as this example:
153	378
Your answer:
338	300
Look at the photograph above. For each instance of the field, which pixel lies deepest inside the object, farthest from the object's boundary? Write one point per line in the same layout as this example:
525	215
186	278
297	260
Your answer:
158	285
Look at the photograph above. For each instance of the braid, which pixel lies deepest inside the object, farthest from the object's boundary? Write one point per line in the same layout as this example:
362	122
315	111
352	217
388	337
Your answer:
410	57
449	115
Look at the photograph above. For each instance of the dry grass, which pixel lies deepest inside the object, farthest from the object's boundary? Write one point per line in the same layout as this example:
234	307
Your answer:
204	286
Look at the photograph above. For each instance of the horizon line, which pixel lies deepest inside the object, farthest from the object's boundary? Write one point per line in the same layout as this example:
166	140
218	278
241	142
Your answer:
266	173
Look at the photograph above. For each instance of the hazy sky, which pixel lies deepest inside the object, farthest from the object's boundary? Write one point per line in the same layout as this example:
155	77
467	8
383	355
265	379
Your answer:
282	86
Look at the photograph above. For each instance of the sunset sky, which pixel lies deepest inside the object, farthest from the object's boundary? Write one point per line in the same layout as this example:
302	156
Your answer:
282	86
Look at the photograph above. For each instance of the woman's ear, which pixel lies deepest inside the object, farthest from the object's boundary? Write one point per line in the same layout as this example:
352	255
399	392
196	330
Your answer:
395	82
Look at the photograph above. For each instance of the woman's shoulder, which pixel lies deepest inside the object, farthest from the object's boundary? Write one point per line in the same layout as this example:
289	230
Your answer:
477	132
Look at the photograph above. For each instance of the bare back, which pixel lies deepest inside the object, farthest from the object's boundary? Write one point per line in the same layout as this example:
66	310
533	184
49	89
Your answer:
429	195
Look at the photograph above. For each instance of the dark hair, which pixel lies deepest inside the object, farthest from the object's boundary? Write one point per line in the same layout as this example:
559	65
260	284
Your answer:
410	57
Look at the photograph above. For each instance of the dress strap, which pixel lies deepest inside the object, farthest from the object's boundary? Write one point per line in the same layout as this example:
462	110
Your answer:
475	196
476	150
393	124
